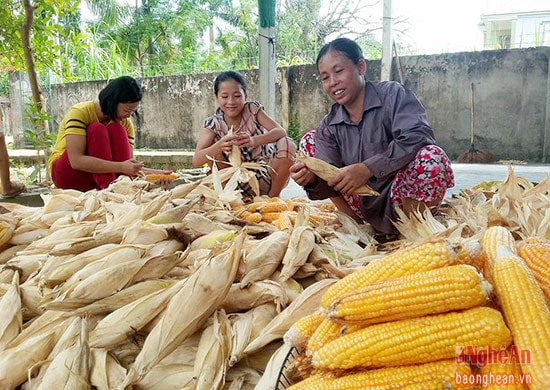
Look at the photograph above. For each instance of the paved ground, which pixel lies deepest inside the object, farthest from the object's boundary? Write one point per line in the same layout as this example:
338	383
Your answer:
466	176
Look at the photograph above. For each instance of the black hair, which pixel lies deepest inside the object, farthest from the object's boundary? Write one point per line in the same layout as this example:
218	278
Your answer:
124	89
229	75
346	46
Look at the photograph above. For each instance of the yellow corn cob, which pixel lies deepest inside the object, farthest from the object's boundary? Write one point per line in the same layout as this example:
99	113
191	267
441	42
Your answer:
273	207
495	366
327	331
327	171
537	257
415	340
299	369
251	216
270	217
471	252
495	236
526	312
423	256
299	333
440	374
154	177
284	222
437	291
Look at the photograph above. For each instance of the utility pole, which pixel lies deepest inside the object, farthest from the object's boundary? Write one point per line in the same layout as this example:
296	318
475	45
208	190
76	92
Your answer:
266	40
387	40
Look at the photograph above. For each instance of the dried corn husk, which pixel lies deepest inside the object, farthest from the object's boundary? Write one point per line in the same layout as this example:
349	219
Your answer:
70	368
123	297
11	321
105	371
263	257
247	326
16	361
124	322
327	171
199	296
308	301
255	294
212	359
302	240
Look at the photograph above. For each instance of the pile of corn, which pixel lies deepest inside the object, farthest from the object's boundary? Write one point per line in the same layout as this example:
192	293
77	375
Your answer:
421	316
135	287
139	287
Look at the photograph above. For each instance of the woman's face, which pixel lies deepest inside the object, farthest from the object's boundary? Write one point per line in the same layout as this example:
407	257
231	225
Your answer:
231	98
126	110
342	79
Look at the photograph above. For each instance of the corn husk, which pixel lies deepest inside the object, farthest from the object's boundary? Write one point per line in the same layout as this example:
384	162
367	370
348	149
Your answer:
16	361
105	371
11	321
79	246
255	294
247	326
124	322
199	296
70	368
327	171
302	240
263	257
123	297
175	376
308	301
212	359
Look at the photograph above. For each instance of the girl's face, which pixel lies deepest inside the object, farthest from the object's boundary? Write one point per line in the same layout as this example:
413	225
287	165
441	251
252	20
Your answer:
342	79
126	110
231	98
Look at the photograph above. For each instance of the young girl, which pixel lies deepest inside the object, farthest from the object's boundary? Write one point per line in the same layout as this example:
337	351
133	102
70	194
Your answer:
259	137
378	134
96	138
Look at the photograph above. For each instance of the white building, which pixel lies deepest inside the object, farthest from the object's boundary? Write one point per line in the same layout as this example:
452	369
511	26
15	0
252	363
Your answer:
515	30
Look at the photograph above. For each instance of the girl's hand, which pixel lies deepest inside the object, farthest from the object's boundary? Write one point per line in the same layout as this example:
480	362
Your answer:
244	140
227	142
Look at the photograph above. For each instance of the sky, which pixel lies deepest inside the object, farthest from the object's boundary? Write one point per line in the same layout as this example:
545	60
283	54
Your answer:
440	26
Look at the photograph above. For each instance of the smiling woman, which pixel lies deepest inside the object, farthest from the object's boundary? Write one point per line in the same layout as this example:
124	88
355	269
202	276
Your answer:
95	140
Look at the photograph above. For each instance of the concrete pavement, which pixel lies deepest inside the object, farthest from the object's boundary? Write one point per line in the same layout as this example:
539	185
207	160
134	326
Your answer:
466	176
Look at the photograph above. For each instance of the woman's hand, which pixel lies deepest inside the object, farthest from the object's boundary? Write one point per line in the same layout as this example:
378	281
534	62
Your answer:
301	174
350	178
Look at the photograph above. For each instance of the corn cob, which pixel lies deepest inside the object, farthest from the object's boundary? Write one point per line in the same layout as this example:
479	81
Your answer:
434	375
437	291
423	256
329	330
495	236
299	333
154	177
415	340
494	366
273	206
526	312
537	257
327	171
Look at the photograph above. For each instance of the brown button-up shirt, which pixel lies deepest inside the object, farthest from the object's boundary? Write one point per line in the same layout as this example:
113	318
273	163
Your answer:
394	127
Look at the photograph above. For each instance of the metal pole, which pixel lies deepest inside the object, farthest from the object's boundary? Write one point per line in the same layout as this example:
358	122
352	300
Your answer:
266	40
